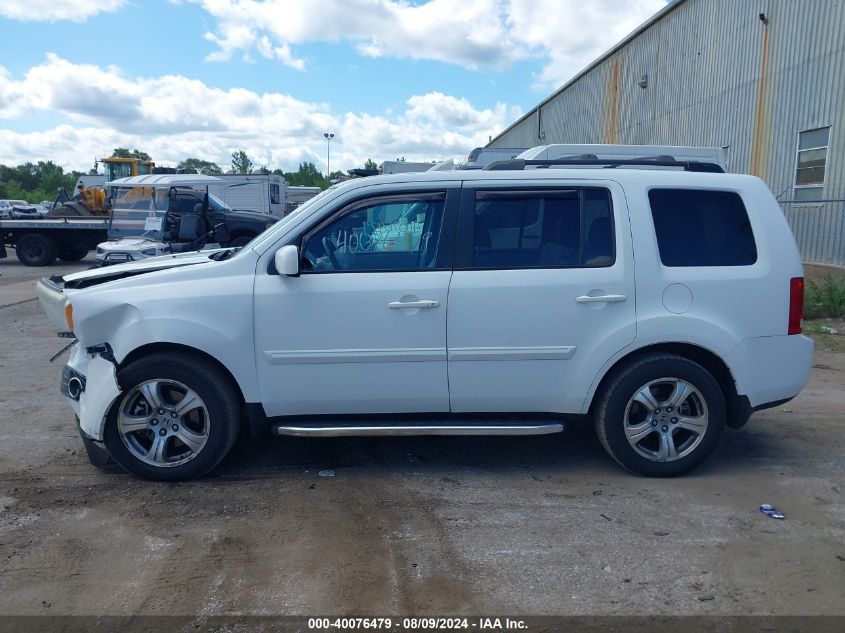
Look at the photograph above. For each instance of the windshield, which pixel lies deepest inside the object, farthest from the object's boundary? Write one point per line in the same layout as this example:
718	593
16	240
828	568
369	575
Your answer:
217	204
117	170
138	212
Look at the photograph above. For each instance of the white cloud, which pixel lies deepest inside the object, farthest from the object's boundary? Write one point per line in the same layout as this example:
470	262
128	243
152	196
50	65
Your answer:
172	117
56	10
572	33
564	34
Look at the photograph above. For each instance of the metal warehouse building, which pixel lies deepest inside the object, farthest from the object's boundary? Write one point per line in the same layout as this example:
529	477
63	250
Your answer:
764	79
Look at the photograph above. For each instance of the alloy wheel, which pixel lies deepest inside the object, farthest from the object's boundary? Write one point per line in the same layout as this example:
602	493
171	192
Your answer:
666	419
163	423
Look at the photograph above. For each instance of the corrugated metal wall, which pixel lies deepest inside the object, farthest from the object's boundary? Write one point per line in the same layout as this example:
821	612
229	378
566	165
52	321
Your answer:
717	76
819	229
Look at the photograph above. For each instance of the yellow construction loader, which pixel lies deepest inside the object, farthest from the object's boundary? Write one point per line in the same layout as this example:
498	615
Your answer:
94	200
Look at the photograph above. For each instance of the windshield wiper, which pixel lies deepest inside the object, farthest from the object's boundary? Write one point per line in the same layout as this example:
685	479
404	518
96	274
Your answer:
222	255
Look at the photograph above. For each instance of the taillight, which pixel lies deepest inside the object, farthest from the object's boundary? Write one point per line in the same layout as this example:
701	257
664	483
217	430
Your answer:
796	304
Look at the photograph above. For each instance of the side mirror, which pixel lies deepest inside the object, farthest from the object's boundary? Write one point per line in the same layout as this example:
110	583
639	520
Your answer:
287	260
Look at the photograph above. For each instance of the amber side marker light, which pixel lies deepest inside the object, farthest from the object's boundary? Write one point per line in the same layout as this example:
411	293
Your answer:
69	316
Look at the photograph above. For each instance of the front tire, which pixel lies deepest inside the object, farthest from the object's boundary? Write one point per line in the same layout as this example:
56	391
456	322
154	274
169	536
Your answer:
660	415
177	417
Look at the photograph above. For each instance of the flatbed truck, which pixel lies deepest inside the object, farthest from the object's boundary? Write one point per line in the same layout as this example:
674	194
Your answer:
40	242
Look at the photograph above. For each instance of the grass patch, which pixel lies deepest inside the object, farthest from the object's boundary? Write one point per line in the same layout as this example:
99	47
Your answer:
825	299
821	332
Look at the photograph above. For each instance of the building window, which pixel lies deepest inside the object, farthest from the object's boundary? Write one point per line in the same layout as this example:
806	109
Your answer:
810	163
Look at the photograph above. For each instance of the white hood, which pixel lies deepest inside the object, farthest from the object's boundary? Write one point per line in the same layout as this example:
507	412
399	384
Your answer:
143	266
133	243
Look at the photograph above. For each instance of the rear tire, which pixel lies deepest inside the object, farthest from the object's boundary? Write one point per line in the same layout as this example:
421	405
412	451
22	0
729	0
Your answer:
34	249
660	415
177	417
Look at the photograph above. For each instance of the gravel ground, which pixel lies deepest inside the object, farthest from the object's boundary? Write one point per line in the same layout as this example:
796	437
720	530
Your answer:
534	525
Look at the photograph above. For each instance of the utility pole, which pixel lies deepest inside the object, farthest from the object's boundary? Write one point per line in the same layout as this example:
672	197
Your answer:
329	136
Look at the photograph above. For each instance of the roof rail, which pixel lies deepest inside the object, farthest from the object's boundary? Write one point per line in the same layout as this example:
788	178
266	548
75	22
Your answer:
519	164
656	157
577	157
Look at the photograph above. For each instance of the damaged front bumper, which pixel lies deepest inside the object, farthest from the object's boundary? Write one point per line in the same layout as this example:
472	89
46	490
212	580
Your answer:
97	453
89	379
89	382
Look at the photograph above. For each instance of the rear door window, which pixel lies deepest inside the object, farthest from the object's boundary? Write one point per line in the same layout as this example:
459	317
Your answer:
561	228
696	227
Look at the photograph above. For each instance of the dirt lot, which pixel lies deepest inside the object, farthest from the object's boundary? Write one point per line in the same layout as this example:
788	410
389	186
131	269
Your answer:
545	525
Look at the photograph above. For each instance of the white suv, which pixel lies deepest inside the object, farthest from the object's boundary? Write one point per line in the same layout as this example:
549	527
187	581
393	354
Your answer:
660	304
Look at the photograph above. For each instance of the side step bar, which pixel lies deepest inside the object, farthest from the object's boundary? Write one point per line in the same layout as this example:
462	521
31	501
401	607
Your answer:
417	429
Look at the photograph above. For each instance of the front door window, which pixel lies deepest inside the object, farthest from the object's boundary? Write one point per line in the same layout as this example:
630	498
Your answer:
394	234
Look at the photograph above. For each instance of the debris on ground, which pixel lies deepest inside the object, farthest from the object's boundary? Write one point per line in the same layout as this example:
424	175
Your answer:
326	473
771	511
826	329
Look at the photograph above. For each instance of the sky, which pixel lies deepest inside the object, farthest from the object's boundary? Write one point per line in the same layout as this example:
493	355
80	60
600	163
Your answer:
424	80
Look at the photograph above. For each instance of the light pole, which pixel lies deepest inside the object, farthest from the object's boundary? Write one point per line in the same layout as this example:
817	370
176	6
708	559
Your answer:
329	136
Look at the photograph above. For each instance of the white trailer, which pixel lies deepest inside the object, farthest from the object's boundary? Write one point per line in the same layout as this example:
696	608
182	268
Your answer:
295	195
403	167
264	193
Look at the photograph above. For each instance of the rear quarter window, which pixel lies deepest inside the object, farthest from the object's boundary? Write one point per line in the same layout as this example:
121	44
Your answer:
696	227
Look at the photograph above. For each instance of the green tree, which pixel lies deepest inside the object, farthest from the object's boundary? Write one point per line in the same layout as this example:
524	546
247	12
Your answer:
371	164
199	166
241	163
35	181
122	152
307	175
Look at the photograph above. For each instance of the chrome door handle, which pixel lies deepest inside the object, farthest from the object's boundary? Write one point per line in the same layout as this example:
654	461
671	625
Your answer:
422	304
601	299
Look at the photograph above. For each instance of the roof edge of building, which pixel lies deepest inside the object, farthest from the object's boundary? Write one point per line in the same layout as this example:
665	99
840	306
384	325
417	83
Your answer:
670	6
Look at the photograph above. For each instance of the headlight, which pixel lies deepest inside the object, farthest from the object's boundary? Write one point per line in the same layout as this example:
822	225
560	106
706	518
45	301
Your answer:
100	251
150	252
